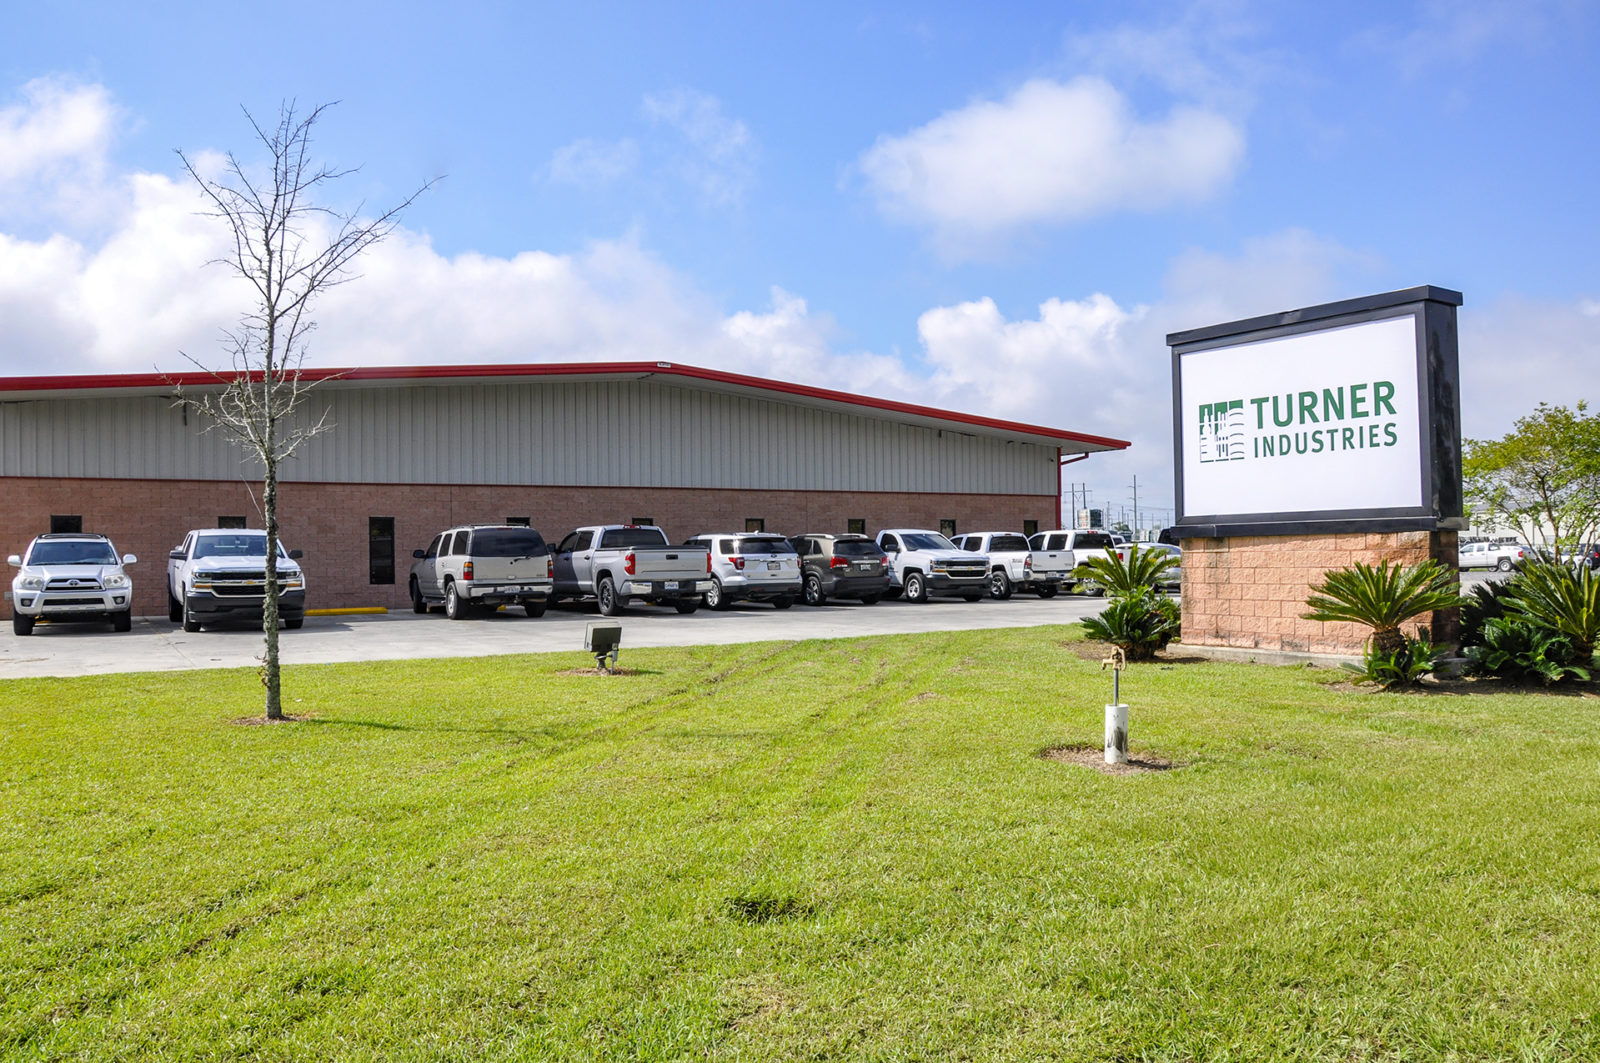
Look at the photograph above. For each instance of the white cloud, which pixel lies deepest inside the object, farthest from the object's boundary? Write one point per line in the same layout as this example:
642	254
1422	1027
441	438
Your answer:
719	153
53	147
593	162
1048	153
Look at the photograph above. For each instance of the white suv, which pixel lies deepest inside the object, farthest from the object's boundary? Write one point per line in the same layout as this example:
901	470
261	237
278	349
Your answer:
71	576
753	567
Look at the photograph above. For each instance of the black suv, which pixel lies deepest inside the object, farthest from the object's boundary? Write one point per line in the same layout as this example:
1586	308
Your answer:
841	566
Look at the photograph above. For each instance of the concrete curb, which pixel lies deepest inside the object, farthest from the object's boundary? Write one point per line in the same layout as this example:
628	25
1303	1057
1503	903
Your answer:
1280	658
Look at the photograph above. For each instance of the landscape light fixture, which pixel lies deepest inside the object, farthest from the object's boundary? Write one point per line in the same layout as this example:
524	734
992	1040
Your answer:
1116	712
601	638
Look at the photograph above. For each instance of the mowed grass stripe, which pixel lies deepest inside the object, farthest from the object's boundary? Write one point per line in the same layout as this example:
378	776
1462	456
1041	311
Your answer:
837	849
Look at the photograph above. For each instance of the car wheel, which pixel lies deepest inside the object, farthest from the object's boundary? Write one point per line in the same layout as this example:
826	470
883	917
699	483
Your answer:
1047	592
869	599
419	604
916	588
191	623
534	609
606	592
174	608
713	597
999	584
294	623
122	621
782	603
454	606
1504	565
21	625
814	595
687	606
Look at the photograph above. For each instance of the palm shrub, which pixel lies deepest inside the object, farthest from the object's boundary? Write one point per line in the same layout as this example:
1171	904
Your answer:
1517	648
1402	667
1141	623
1383	598
1559	599
1485	602
1126	577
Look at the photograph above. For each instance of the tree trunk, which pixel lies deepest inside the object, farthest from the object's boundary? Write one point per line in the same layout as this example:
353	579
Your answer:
1388	640
269	607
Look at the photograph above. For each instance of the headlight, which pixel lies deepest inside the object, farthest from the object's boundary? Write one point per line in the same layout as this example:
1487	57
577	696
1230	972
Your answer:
31	583
116	579
292	583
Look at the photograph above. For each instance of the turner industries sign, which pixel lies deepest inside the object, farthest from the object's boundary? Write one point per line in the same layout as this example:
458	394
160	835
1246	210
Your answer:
1343	414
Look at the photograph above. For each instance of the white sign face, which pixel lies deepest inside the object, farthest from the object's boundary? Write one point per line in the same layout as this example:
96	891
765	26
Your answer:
1327	420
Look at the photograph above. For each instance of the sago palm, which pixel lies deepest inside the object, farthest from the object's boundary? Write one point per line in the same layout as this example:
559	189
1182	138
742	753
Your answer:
1561	600
1123	578
1383	598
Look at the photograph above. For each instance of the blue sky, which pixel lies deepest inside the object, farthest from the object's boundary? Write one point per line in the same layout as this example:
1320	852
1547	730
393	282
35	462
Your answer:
995	208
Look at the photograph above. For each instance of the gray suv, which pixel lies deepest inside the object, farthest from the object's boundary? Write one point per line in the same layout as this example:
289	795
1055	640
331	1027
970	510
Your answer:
482	567
750	568
841	566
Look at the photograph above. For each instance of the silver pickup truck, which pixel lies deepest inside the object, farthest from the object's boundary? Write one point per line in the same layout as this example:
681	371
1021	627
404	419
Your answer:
619	563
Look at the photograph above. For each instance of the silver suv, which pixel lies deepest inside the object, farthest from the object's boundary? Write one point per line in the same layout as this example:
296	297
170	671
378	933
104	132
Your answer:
750	568
71	576
478	565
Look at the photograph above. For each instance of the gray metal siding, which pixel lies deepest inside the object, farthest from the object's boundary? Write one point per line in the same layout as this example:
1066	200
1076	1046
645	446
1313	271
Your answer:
612	434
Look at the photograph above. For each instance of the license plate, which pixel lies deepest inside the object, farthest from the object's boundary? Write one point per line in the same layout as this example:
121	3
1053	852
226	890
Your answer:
773	566
864	566
674	585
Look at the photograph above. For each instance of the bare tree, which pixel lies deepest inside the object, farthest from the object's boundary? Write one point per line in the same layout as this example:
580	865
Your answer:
289	249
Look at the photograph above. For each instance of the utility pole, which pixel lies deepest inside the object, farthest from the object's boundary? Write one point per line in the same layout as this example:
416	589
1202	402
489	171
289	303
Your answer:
1136	505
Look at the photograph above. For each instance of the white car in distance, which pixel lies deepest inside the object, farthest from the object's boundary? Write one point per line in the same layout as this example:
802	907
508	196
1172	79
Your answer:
70	576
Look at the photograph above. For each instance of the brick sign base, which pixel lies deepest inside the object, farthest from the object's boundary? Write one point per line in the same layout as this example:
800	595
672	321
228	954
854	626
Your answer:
1249	592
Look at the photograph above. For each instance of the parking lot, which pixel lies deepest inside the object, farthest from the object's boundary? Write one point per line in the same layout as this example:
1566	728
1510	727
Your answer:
155	644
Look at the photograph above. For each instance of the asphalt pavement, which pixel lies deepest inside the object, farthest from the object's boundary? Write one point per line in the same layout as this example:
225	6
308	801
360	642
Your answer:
156	644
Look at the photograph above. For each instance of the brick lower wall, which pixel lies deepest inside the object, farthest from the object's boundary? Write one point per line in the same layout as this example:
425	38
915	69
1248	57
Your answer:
1250	592
329	521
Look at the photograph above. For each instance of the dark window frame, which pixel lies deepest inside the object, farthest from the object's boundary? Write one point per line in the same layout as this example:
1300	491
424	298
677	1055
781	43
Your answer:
380	568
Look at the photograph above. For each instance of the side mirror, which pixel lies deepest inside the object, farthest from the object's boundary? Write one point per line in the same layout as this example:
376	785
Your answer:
128	559
891	549
14	559
177	554
295	555
418	554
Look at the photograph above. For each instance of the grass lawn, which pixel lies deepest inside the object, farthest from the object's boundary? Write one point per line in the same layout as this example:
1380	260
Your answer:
823	850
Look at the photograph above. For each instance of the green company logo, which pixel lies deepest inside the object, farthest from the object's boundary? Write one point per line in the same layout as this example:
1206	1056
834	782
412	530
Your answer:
1331	420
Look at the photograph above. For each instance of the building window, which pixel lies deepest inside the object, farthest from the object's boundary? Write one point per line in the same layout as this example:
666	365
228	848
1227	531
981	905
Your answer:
1030	528
643	521
521	522
60	523
231	522
947	528
856	525
380	550
755	524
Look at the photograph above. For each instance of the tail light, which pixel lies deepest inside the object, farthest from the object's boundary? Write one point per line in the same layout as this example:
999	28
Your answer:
466	570
550	566
1027	563
627	562
738	563
708	563
838	562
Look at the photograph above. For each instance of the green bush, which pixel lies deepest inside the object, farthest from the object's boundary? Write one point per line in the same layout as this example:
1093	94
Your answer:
1513	647
1402	667
1125	577
1141	623
1485	602
1383	598
1560	600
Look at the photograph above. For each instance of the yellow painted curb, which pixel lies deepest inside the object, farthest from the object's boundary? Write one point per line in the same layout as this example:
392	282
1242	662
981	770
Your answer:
352	611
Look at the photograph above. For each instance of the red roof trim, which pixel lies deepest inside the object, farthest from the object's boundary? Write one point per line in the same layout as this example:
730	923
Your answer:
445	372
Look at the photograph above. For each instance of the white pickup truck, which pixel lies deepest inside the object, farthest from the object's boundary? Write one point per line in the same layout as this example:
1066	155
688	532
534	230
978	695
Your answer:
619	563
1075	546
221	574
1014	566
923	563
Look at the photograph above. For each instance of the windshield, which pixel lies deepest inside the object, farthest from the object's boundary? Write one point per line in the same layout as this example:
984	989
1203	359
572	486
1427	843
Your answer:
507	542
235	544
765	546
1093	541
1008	542
80	552
857	548
614	537
927	541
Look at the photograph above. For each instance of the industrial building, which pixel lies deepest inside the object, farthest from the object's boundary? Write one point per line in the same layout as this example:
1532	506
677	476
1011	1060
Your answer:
413	450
